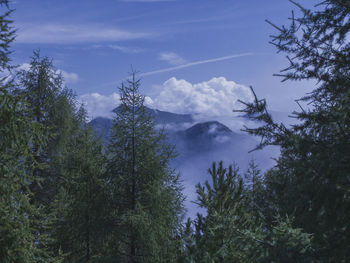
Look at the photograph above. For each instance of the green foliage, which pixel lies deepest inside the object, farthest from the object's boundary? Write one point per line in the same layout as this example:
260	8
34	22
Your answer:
146	194
311	179
19	239
16	240
7	36
234	231
53	107
65	198
80	227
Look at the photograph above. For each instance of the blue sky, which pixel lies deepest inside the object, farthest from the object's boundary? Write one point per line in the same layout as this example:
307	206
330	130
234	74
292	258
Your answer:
96	42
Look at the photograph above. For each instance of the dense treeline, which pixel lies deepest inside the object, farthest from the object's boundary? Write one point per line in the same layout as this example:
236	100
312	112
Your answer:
64	197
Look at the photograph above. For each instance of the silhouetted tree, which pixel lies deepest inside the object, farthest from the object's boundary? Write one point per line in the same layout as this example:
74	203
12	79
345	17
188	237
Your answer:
146	192
312	178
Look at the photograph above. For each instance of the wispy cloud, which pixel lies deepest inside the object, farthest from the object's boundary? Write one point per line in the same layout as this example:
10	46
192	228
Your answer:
194	64
180	67
68	34
172	58
128	50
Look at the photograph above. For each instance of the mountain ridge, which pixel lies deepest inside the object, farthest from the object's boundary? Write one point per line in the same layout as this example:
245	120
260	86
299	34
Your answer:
175	124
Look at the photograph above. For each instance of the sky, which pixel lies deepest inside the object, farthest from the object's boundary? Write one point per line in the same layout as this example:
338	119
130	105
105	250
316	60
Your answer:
193	56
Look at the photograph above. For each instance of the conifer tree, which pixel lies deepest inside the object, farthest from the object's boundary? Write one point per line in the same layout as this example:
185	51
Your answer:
146	194
311	179
81	202
19	239
233	231
53	107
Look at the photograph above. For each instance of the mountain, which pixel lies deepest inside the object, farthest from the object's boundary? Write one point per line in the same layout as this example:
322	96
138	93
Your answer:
102	127
204	136
198	145
191	139
164	117
169	120
209	129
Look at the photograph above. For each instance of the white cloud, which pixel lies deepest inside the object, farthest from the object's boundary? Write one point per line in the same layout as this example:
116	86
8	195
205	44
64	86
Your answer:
130	50
98	105
172	58
69	77
214	98
209	100
175	126
222	139
67	34
212	129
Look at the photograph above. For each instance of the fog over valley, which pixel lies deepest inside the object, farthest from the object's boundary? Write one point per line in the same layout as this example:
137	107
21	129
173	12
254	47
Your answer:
199	143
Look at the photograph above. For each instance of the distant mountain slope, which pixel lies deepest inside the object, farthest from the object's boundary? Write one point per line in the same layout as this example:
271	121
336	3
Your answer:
204	136
164	117
195	139
209	129
198	145
102	127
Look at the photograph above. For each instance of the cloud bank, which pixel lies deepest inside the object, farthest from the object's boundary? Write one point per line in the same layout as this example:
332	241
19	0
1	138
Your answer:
215	99
69	77
98	105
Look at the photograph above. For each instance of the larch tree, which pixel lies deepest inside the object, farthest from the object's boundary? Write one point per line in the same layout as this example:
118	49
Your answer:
19	239
146	192
80	227
53	107
312	177
233	230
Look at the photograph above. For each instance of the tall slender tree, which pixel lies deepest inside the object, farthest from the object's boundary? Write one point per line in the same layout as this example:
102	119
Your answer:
146	193
19	238
312	176
80	228
53	107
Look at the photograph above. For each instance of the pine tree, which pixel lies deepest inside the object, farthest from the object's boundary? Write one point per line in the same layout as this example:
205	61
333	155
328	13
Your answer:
80	226
19	239
311	179
146	194
233	231
53	107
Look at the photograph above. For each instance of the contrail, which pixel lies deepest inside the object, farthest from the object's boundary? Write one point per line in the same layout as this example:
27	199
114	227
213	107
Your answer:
194	64
180	67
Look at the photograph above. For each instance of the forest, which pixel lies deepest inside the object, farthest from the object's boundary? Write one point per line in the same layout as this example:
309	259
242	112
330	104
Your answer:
67	197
